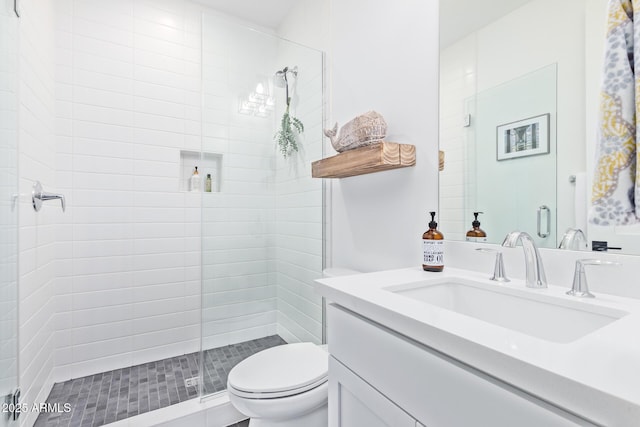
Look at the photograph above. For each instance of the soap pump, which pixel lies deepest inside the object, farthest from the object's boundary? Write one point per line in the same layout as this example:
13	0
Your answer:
433	247
476	234
194	181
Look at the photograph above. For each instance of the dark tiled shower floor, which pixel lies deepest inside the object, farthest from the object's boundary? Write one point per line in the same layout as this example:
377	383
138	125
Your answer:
111	396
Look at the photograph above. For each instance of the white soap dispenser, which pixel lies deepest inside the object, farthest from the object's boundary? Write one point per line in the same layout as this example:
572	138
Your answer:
194	181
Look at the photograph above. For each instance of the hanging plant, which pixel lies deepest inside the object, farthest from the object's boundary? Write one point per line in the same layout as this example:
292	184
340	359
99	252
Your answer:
290	127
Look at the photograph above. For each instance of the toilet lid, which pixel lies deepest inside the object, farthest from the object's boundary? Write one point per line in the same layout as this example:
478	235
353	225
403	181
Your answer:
288	368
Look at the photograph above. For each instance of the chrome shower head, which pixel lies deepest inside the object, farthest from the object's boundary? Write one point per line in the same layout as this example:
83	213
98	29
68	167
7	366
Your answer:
280	78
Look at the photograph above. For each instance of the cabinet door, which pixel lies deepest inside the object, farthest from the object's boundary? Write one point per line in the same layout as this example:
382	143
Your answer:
354	403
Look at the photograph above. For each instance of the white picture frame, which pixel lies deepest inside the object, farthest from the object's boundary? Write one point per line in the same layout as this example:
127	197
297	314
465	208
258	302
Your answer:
523	138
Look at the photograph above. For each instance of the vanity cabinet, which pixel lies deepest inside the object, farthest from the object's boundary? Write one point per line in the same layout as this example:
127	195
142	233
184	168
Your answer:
353	402
378	377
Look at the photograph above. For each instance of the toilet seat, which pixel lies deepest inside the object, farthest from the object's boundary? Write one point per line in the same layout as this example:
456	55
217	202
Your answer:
280	371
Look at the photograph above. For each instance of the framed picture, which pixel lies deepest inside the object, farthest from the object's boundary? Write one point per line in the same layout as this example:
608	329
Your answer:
528	137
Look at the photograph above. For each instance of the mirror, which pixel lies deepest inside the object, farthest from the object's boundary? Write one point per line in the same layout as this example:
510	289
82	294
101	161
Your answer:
519	87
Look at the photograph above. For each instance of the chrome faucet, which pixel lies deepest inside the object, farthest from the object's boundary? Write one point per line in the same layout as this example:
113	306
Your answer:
535	271
574	240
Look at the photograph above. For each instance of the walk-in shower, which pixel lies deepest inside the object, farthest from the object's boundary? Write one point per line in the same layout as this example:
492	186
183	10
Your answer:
159	287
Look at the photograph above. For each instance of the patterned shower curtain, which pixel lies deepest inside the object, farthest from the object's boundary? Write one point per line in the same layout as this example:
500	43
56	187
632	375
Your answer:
616	184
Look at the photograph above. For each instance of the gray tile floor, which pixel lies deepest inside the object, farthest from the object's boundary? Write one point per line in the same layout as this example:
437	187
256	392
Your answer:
110	396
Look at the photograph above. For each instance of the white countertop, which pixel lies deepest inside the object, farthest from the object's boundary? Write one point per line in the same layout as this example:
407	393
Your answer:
596	376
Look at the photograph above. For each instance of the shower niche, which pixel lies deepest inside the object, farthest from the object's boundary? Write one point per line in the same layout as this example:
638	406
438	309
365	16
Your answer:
207	163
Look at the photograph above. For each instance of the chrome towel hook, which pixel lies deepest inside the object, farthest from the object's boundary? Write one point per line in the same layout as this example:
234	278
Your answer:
38	197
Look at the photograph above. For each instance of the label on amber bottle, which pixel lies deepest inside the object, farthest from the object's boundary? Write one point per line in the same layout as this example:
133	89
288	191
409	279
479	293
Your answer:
477	239
433	252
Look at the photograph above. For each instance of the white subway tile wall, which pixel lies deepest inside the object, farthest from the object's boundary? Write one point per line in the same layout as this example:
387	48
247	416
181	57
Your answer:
298	205
8	188
128	92
38	246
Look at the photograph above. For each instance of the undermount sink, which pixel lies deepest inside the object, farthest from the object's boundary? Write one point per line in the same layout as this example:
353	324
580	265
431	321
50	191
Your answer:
535	314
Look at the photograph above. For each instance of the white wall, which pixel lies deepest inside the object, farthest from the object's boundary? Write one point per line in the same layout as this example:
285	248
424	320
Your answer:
308	23
37	231
390	64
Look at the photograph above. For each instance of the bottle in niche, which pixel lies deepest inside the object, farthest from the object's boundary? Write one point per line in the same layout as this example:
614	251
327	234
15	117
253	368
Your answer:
207	184
433	247
194	181
476	234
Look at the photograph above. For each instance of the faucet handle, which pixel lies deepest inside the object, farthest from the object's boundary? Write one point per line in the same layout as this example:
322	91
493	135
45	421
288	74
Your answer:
580	288
499	272
38	197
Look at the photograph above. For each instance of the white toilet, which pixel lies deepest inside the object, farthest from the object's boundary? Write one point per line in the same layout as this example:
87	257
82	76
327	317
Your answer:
284	386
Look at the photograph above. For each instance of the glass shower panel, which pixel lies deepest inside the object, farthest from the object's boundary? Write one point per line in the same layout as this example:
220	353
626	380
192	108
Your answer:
262	221
299	202
8	205
504	180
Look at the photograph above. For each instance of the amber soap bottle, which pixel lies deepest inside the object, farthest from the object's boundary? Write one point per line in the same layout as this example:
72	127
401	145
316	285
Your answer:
476	234
433	247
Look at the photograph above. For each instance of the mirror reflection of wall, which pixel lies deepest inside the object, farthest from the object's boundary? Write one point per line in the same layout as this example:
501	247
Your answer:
509	42
511	140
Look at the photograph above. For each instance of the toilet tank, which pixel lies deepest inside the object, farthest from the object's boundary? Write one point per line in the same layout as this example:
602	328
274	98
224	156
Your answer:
338	271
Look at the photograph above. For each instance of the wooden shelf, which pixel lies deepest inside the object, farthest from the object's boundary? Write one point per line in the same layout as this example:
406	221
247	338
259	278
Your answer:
372	158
